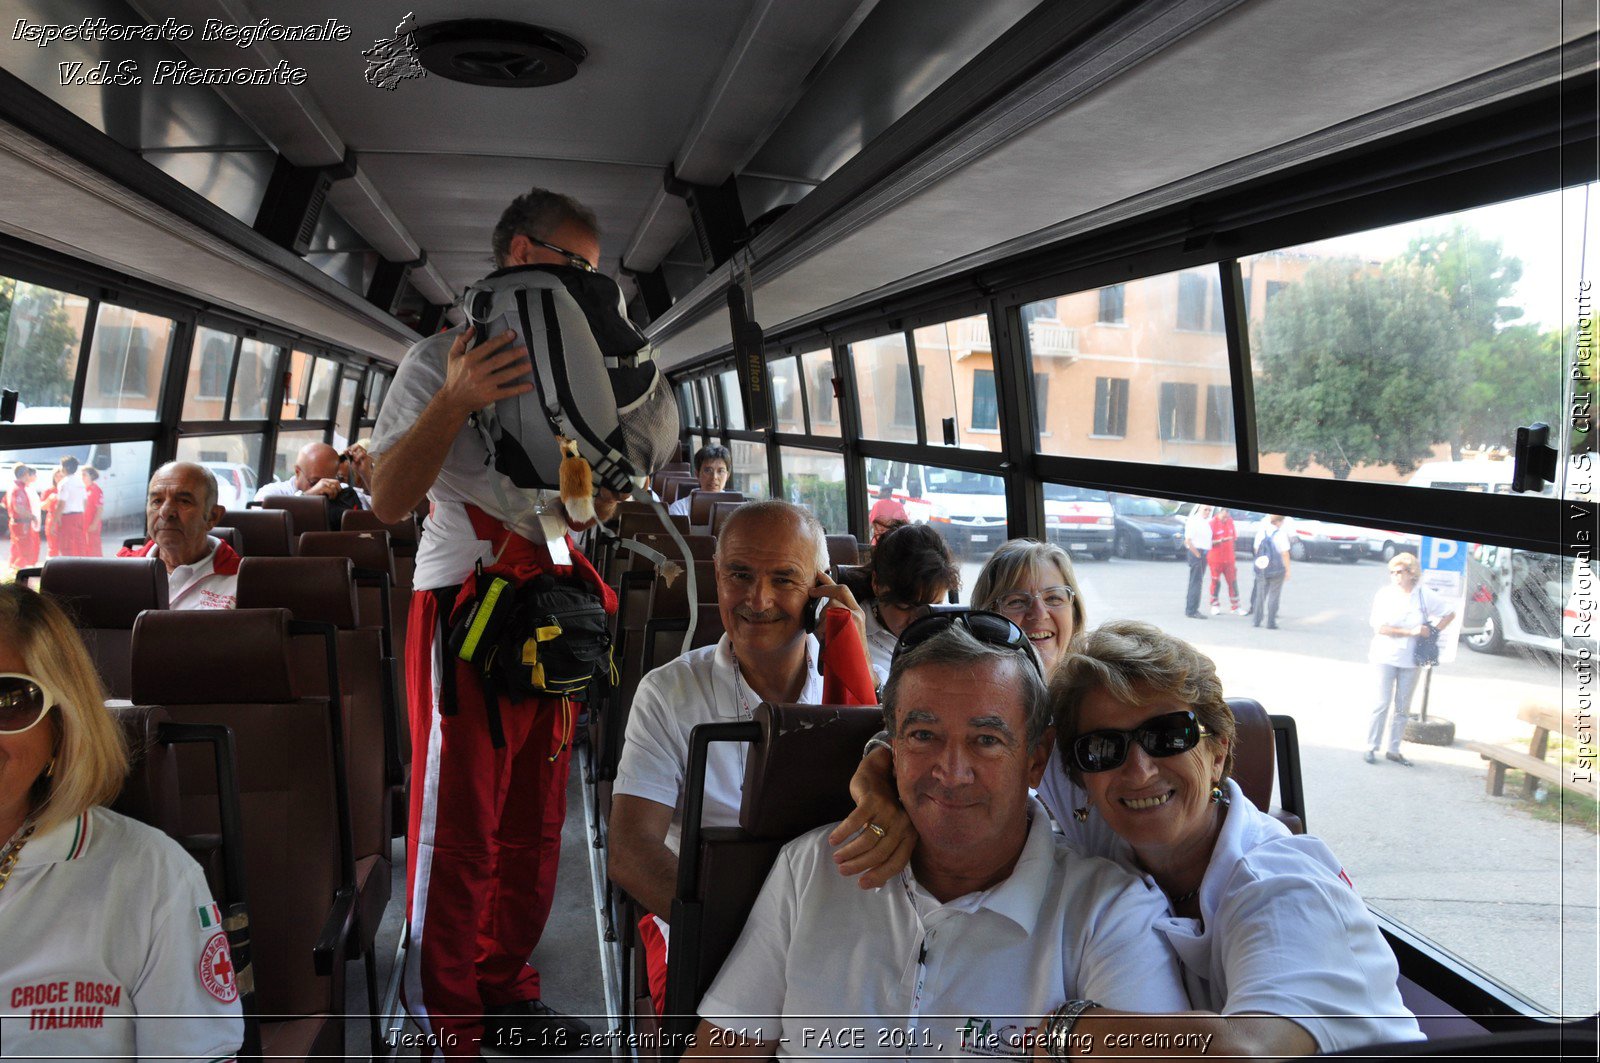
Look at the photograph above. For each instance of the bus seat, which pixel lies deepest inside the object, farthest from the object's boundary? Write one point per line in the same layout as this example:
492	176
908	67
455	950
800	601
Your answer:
843	550
797	777
677	487
307	513
675	470
233	668
404	539
150	795
261	532
104	596
701	504
229	536
1255	760
323	589
720	511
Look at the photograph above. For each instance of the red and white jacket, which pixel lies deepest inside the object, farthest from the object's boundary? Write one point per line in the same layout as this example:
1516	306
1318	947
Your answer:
210	583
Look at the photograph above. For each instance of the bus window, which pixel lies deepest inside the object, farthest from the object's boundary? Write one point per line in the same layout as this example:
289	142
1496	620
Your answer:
732	402
1493	880
42	332
252	385
127	364
788	412
816	368
123	476
883	389
748	474
1135	372
815	479
955	361
967	508
232	459
210	366
1453	325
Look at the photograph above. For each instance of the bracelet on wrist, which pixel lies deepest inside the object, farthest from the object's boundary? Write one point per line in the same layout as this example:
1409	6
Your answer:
878	741
1058	1030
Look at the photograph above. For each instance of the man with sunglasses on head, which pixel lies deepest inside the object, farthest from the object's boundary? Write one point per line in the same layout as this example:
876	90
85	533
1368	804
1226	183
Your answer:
487	802
771	564
994	921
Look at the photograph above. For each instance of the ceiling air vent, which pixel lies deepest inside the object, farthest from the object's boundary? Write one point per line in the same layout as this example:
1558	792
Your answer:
498	54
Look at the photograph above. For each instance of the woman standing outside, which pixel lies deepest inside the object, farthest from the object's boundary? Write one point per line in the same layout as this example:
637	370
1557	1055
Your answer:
1403	614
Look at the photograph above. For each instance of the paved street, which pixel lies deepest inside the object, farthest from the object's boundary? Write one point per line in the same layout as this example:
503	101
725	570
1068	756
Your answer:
1478	875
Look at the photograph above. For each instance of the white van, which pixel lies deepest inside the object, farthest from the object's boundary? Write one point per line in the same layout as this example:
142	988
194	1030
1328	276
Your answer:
1480	474
123	482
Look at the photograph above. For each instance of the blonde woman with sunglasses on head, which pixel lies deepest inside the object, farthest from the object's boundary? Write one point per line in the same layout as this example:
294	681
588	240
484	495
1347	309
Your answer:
111	947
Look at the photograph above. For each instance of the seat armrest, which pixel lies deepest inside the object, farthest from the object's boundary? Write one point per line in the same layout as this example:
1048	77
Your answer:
330	944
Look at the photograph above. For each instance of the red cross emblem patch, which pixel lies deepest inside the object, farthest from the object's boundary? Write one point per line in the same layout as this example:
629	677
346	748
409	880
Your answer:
216	969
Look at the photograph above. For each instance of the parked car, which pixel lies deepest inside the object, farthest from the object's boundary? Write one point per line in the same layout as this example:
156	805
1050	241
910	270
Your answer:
1146	528
1385	544
967	508
236	483
1522	598
1318	540
1080	519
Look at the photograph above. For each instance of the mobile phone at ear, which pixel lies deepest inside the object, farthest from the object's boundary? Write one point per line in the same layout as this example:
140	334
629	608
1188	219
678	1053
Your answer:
811	615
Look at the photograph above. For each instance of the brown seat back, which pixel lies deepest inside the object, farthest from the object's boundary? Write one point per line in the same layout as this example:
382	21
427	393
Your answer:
229	536
370	552
797	777
104	596
150	792
677	487
720	512
843	550
261	532
700	506
233	667
1255	766
307	513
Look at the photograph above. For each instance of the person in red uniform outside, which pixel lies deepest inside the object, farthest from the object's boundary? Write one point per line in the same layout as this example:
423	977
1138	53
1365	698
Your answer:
23	520
94	505
1220	559
50	508
486	815
887	513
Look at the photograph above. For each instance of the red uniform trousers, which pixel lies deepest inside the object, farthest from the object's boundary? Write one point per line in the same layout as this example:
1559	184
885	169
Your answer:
1221	562
71	531
484	824
24	545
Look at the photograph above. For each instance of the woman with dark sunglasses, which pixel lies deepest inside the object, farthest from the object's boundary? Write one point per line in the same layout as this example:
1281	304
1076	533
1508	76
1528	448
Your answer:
111	941
1272	936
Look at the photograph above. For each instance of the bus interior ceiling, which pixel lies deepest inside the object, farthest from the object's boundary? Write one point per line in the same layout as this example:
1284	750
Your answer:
862	167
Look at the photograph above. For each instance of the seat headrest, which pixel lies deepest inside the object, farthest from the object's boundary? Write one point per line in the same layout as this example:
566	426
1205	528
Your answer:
798	776
106	592
262	532
307	513
368	549
200	657
1254	751
401	531
312	588
229	536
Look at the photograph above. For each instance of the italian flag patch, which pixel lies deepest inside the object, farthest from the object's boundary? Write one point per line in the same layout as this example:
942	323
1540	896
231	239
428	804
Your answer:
210	916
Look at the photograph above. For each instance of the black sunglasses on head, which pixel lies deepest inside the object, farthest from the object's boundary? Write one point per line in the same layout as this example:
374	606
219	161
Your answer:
1160	736
990	628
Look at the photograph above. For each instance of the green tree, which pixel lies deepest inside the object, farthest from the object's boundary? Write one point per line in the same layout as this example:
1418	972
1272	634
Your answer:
1511	378
1355	365
38	344
1474	273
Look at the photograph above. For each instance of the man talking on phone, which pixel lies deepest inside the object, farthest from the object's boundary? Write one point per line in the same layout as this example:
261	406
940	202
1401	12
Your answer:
771	564
489	782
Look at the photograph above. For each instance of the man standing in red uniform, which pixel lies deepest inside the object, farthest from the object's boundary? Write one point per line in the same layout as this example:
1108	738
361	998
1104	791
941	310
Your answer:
1221	561
94	504
486	808
24	522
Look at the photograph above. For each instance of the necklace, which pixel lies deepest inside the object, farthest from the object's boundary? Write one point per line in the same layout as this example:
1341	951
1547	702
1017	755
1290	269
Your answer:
1191	895
8	859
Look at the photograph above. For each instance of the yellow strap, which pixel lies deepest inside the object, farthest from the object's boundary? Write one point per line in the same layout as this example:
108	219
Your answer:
480	618
546	634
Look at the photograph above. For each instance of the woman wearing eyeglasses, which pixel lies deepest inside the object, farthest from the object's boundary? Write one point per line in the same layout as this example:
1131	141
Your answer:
1404	613
110	941
910	569
1271	935
1029	583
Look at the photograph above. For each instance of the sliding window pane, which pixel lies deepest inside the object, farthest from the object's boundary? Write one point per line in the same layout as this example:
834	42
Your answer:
815	479
749	473
883	389
816	370
1411	354
732	402
127	363
209	368
232	459
1135	372
959	403
300	365
324	383
42	333
346	409
784	373
252	386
